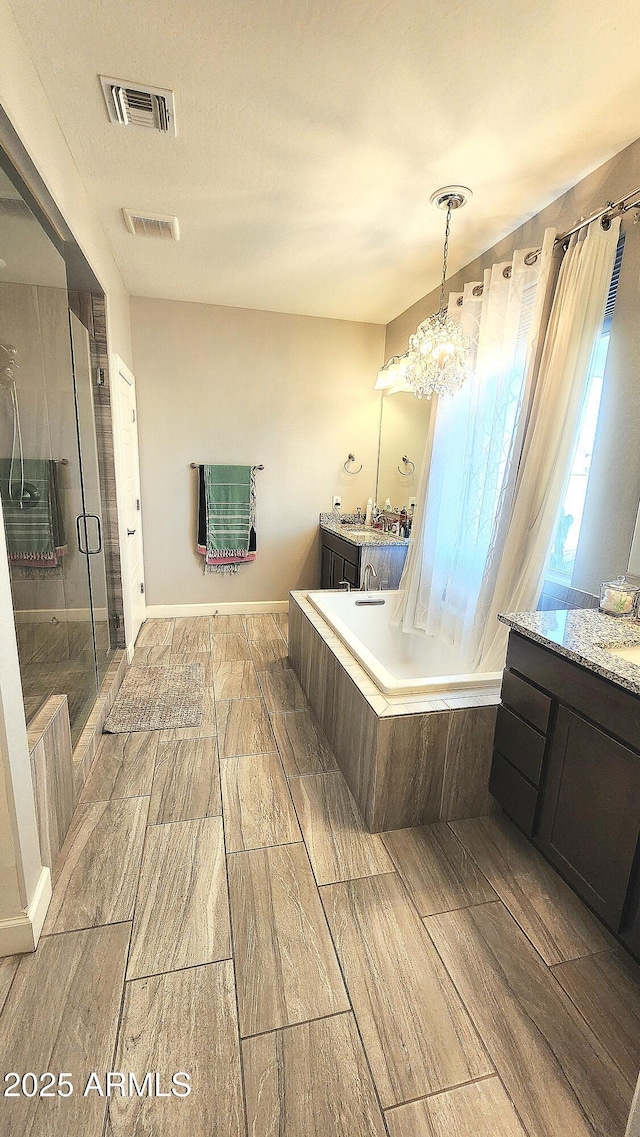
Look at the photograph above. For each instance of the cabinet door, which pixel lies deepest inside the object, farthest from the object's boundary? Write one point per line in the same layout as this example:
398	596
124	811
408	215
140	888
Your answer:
590	816
337	570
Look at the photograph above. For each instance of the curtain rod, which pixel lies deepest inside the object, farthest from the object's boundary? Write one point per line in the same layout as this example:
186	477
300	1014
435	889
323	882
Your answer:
618	206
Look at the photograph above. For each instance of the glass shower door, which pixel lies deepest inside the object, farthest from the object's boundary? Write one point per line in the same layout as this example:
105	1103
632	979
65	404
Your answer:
42	413
88	527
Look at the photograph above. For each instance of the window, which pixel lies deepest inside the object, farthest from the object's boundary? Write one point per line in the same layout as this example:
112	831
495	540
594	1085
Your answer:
565	544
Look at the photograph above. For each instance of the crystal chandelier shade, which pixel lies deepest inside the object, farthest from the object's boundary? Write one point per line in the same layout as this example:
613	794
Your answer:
438	358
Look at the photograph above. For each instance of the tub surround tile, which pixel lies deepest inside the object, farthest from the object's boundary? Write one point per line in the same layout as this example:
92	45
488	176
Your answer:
339	845
191	633
392	753
184	1020
302	744
409	771
481	698
416	1032
481	1109
123	766
270	655
77	979
605	988
556	921
99	865
281	690
559	1077
155	633
468	756
404	705
258	809
182	912
244	728
439	873
235	680
227	648
186	784
52	775
286	968
310	1081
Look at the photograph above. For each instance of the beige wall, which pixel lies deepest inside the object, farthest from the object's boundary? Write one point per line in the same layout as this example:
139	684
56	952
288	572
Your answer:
219	384
614	486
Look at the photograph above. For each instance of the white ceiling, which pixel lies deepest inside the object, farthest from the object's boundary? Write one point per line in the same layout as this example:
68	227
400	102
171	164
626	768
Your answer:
312	132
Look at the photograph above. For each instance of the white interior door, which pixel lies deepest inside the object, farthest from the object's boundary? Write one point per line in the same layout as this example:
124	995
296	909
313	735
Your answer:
123	400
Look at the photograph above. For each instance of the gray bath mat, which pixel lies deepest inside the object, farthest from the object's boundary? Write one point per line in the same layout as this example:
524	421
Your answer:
158	698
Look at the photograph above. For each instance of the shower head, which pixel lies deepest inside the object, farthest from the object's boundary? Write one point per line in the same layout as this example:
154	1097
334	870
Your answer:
8	363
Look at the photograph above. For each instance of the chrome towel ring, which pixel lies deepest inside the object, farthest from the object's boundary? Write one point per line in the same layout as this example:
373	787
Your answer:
346	464
406	473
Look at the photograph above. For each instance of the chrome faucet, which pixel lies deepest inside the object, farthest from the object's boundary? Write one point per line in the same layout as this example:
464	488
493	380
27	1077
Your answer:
367	572
345	582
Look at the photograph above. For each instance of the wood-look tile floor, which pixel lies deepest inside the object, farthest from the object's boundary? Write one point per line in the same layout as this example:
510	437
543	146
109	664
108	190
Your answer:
223	911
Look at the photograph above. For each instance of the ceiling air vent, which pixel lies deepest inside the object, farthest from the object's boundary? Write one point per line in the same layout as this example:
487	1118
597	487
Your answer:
151	224
132	105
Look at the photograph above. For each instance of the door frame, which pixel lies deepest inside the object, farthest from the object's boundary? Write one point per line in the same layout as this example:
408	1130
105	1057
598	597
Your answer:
131	622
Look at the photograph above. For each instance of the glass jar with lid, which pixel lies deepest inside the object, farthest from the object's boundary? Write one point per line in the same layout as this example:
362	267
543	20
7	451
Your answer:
618	597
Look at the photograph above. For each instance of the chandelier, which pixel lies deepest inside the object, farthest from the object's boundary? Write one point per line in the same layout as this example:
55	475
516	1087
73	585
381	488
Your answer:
437	361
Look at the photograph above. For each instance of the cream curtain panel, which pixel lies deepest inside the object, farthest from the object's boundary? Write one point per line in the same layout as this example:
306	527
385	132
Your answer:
549	439
500	449
469	475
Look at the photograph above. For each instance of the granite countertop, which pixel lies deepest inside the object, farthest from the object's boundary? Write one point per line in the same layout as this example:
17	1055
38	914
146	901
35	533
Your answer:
581	635
361	534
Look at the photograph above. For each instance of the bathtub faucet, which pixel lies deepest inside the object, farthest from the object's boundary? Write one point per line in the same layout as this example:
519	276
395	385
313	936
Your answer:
367	572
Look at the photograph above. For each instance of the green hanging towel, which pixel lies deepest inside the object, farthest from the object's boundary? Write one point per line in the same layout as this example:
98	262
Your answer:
34	529
226	528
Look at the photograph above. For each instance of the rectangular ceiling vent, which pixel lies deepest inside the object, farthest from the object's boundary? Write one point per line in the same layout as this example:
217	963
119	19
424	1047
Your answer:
151	224
133	105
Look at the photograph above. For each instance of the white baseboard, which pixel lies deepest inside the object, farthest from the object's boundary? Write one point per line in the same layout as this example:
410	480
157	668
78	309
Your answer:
246	608
21	934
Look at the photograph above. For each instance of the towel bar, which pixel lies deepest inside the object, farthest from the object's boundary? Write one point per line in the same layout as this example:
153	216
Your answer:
194	466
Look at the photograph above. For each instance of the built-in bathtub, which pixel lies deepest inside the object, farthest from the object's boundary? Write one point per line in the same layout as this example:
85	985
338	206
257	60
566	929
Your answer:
411	733
399	663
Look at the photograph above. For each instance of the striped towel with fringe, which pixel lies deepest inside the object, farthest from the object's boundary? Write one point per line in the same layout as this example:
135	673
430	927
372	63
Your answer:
226	517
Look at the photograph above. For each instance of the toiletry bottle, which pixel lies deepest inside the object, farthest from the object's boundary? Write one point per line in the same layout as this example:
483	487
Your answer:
369	513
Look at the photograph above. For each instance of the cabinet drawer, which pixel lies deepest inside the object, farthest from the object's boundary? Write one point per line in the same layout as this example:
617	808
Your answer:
530	703
514	793
520	743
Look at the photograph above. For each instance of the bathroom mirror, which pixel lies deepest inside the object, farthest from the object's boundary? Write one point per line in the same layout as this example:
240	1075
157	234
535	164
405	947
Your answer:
404	426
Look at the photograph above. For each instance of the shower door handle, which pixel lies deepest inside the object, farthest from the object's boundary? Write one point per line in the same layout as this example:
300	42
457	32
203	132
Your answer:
84	517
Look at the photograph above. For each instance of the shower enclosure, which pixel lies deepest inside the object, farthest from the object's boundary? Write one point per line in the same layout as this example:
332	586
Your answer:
51	471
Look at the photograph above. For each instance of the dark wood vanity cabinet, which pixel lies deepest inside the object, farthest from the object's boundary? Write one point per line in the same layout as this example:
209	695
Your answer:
342	560
566	768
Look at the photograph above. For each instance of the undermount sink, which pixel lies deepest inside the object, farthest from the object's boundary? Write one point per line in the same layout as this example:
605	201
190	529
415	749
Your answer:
630	654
